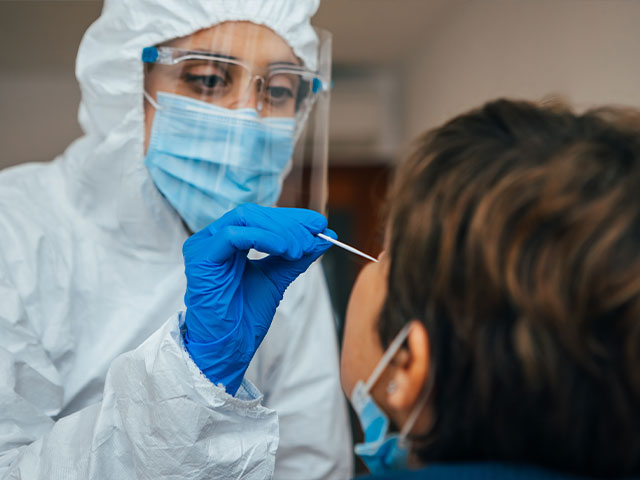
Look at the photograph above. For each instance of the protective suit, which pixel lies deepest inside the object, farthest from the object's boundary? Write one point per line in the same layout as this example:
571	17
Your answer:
94	378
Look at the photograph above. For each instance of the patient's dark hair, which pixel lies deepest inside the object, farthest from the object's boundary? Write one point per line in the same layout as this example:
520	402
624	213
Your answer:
514	236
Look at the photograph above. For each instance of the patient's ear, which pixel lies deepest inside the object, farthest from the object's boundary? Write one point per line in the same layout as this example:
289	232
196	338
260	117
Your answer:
411	369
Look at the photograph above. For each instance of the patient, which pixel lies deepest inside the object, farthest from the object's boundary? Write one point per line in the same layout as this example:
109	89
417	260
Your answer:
499	335
513	252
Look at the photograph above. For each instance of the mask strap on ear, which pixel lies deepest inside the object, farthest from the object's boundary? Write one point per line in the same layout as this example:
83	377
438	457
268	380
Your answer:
388	355
422	401
150	99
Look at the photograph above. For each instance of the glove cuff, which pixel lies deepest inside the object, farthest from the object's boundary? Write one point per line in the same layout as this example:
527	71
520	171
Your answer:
223	361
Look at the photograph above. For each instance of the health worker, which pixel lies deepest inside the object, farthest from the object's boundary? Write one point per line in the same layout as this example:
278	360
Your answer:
189	109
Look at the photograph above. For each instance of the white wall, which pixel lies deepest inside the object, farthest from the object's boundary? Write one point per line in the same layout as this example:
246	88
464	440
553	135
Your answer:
587	51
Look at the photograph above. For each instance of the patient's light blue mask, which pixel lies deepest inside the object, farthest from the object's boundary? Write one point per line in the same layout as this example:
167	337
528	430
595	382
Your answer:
382	451
206	159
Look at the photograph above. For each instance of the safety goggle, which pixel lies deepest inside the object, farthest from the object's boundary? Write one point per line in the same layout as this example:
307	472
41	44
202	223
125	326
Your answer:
280	91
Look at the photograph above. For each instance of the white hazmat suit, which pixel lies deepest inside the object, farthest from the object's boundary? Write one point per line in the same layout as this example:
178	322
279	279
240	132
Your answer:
94	379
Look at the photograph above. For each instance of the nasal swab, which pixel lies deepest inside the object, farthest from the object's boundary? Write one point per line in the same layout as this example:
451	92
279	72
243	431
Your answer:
346	247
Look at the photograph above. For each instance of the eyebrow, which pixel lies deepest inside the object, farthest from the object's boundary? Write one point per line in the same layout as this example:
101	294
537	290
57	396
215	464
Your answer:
285	64
221	55
231	57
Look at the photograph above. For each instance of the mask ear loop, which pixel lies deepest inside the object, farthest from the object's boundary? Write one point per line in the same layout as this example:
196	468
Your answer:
422	401
424	396
150	99
388	355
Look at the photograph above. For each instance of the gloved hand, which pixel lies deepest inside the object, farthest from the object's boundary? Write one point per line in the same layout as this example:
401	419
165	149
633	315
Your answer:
230	299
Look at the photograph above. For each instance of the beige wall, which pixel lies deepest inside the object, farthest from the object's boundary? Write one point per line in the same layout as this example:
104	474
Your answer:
39	94
38	118
588	51
451	55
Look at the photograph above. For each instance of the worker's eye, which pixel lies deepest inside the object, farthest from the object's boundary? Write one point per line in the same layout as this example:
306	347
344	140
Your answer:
281	90
210	78
206	81
276	94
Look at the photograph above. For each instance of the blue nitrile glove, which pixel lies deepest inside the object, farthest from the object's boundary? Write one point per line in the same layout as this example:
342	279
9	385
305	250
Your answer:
230	299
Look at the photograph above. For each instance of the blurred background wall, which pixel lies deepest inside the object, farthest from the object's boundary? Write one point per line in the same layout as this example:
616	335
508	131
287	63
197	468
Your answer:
400	66
585	51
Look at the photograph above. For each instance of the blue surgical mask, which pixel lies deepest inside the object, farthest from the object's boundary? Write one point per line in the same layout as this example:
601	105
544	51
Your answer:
207	159
382	451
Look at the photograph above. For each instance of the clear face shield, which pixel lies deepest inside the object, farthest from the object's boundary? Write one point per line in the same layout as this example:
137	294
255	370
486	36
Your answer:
237	118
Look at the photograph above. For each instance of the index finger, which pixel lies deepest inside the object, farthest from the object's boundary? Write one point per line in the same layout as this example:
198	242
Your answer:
271	218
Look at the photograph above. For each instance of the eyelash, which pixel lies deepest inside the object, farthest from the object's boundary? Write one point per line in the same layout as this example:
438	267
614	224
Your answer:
207	84
215	83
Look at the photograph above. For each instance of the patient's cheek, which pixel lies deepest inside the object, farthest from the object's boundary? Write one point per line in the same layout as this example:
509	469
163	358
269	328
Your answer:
361	349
